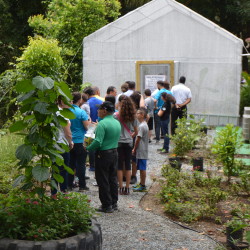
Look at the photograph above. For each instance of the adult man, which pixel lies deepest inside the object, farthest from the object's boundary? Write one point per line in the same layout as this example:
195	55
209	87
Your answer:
112	91
105	144
131	88
97	93
183	96
78	154
159	102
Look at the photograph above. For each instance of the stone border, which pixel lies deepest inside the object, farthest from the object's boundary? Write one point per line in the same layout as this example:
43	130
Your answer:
84	241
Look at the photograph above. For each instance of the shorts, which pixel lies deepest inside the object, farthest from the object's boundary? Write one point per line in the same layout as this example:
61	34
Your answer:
150	123
141	164
124	155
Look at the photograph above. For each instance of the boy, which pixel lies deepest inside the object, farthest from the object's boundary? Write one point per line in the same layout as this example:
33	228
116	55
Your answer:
141	149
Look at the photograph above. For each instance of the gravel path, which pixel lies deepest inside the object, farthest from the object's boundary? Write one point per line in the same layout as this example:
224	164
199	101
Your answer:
135	229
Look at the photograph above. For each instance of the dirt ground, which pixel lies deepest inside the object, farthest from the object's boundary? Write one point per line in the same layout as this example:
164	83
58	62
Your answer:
151	202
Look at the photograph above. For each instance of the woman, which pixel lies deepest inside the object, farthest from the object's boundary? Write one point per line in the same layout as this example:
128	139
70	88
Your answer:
126	117
164	114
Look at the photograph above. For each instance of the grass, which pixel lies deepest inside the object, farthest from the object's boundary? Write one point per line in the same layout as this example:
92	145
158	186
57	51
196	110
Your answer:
8	170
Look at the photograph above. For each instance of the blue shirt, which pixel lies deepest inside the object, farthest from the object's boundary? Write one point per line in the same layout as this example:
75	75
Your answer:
77	128
160	102
93	109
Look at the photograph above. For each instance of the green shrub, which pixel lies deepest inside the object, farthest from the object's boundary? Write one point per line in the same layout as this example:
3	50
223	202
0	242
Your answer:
187	133
41	56
227	141
23	216
245	93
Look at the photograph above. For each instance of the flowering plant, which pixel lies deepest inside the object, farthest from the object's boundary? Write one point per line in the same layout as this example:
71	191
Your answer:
23	216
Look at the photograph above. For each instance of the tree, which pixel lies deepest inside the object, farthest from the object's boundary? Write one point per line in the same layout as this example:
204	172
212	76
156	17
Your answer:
14	28
129	5
69	21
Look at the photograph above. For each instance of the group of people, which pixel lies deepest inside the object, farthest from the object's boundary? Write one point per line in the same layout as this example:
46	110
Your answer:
124	124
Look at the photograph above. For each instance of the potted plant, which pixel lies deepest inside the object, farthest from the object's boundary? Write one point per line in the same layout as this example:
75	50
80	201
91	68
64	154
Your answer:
234	232
175	162
30	213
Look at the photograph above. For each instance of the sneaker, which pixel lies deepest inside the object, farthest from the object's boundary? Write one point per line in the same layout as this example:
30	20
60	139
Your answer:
70	189
160	149
140	189
133	180
164	151
95	184
121	190
87	177
157	141
92	169
136	185
105	209
149	141
83	189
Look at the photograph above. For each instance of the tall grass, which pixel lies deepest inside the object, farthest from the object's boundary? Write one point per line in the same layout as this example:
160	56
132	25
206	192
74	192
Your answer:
8	169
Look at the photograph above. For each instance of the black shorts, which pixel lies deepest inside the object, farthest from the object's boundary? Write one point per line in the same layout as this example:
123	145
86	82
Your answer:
150	123
124	156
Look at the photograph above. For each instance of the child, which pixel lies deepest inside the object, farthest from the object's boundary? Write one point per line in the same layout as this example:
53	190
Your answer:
141	149
85	105
150	105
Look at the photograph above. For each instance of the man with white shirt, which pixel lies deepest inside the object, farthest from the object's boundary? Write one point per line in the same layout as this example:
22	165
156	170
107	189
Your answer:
182	96
131	88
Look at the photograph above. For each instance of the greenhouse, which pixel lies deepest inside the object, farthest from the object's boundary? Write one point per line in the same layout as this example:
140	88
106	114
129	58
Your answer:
163	39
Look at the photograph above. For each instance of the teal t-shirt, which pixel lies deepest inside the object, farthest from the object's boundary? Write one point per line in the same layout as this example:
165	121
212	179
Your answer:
77	129
160	102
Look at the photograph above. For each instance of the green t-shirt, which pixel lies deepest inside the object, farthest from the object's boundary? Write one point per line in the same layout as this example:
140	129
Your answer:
107	134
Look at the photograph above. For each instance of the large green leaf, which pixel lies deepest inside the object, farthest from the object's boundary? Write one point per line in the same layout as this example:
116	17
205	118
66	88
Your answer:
40	173
26	96
24	152
18	180
43	83
17	126
67	114
24	86
58	178
68	169
41	107
65	89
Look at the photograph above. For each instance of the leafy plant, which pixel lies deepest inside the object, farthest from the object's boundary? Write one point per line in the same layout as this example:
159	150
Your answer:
225	146
188	132
23	216
245	93
40	155
41	56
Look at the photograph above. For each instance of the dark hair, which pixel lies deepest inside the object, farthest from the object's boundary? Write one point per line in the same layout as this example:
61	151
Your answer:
124	87
147	92
182	79
127	109
136	97
131	84
96	89
161	83
144	111
89	91
166	85
110	89
110	98
76	97
167	97
84	97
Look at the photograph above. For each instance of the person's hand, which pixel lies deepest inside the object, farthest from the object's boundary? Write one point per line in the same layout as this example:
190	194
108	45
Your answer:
71	145
133	151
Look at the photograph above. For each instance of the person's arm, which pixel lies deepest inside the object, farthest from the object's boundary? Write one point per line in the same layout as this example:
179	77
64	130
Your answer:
142	102
135	132
185	103
86	124
68	135
160	112
137	141
99	135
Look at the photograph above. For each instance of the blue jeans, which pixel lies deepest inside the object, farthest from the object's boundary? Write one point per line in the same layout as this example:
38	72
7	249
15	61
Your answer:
157	126
164	127
78	157
63	173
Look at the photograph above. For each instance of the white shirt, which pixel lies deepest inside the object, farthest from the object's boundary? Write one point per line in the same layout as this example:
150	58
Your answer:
181	93
129	92
155	92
